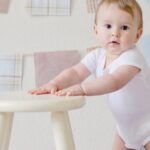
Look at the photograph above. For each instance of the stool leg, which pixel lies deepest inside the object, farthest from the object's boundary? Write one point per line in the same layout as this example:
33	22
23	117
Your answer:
62	131
5	129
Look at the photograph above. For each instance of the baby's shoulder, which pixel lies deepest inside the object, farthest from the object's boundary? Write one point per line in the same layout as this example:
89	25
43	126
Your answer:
133	54
132	57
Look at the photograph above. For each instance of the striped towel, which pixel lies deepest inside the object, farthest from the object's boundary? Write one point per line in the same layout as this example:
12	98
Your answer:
59	7
49	7
10	72
50	64
91	5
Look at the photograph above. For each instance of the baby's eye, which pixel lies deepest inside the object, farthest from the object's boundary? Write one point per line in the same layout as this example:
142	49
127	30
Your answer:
108	26
125	27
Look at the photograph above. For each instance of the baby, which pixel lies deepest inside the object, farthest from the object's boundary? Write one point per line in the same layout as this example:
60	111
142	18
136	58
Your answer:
120	72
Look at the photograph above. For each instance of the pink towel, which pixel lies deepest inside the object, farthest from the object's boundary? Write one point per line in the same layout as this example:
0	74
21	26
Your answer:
50	64
4	5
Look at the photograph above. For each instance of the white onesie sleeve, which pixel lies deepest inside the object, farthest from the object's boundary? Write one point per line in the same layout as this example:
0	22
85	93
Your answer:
91	59
132	57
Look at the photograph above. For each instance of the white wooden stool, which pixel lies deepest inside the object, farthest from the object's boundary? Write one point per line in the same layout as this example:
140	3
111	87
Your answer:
11	102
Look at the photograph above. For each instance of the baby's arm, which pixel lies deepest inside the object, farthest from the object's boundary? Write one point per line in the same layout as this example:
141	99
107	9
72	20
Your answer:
71	76
68	77
104	84
110	82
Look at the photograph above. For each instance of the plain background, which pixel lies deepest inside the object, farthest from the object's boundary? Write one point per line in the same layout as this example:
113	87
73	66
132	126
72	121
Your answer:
93	125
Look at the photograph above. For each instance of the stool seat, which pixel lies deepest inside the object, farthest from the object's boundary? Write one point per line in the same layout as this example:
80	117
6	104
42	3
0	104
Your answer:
22	102
11	102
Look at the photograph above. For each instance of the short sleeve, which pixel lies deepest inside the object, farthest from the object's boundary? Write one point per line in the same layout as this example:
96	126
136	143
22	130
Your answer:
132	57
90	60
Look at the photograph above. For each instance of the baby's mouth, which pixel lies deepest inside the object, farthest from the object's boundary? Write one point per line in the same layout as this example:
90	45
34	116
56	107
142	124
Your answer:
114	42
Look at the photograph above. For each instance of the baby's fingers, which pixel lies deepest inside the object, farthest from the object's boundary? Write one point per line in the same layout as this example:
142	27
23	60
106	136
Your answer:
31	91
38	91
61	93
53	91
42	91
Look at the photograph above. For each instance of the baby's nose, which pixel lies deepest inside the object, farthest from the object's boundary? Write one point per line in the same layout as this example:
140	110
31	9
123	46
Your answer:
115	33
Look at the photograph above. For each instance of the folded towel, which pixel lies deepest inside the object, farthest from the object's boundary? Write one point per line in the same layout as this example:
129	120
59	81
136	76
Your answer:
4	6
91	5
50	64
49	7
10	72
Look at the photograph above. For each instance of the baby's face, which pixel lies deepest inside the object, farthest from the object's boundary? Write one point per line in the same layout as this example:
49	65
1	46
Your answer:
116	30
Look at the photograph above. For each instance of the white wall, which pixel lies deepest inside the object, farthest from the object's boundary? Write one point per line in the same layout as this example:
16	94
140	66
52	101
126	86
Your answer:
93	126
31	33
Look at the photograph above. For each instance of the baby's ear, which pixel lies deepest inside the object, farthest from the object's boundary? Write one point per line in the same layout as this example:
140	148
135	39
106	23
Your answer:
139	33
95	29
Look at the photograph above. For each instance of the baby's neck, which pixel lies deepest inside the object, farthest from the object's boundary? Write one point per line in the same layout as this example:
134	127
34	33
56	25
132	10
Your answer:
109	59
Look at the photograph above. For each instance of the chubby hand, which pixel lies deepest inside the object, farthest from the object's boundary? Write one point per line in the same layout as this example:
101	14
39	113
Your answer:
75	90
48	88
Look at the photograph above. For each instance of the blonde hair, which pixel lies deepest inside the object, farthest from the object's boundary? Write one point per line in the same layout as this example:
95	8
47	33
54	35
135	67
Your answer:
126	5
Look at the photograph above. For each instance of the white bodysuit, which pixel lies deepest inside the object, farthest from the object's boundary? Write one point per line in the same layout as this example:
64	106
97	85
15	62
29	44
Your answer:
130	105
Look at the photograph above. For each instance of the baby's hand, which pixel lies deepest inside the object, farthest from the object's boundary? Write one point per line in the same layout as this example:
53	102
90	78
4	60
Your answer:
75	90
48	88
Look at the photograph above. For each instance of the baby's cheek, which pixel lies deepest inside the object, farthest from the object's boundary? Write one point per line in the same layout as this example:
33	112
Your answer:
128	42
103	42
